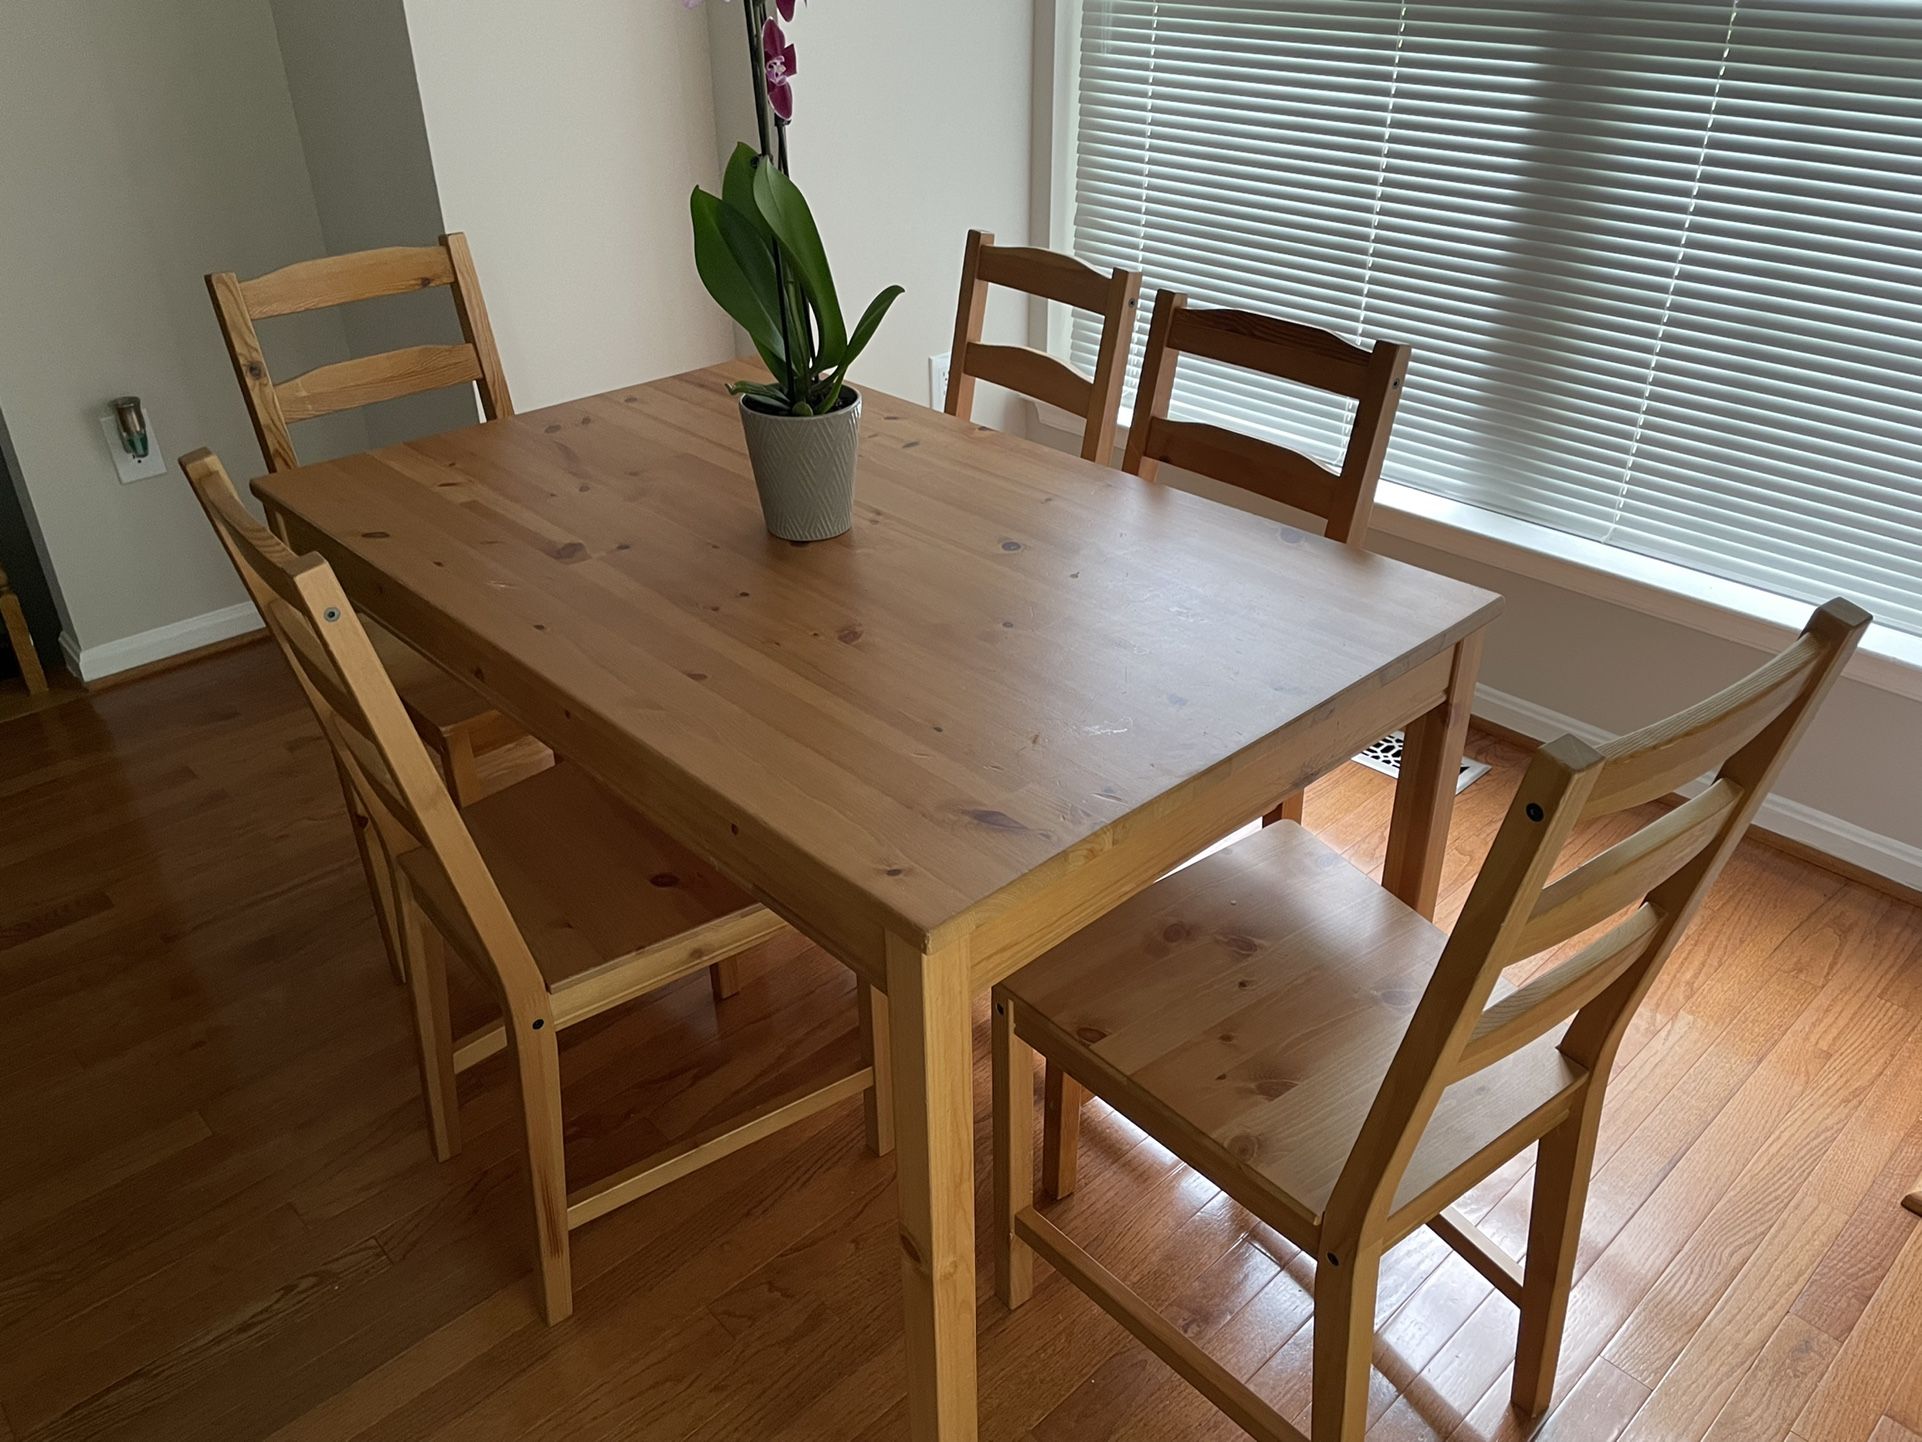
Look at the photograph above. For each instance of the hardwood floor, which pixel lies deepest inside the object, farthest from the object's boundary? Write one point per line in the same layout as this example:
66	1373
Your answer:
220	1217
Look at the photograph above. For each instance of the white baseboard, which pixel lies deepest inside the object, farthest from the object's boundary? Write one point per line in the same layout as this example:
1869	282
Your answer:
1818	830
91	663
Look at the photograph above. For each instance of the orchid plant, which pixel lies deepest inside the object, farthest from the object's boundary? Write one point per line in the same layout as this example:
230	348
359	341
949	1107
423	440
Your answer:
759	251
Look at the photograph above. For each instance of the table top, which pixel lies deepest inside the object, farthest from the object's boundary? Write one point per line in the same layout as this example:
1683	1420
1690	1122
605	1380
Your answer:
1012	651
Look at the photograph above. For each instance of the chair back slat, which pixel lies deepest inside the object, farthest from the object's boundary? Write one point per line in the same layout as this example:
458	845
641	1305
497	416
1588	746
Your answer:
1548	1000
1660	759
1627	871
1514	910
338	280
1273	346
366	380
1259	466
361	715
1033	373
313	665
1115	297
1046	273
1286	350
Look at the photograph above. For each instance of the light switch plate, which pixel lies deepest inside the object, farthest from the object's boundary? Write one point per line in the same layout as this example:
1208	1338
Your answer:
938	380
130	468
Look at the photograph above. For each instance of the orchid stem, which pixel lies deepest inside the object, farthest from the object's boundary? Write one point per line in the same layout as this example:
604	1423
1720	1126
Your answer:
755	12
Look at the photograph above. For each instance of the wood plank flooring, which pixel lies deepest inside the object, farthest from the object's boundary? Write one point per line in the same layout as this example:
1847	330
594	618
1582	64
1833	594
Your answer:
219	1215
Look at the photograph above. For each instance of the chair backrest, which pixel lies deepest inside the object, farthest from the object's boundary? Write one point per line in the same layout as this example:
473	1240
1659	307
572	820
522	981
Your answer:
361	715
1288	351
1062	278
338	280
1658	876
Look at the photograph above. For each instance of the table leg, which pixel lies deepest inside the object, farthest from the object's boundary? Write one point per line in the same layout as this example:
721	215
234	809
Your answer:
1425	796
1913	1201
931	1020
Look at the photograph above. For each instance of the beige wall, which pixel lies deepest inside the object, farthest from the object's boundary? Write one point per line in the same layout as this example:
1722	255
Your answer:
350	73
145	144
565	140
911	127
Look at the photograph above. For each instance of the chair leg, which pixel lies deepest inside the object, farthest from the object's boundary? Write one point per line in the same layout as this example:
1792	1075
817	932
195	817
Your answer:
724	978
1344	1345
877	1052
1061	1133
1563	1162
374	862
1293	808
463	769
1013	1155
433	1024
537	1074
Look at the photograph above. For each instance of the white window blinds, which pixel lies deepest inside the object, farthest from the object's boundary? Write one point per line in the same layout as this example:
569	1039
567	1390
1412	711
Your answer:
1658	261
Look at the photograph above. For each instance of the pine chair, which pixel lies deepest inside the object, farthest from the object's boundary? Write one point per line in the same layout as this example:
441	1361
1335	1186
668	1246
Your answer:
1287	350
561	897
13	621
1346	1071
1044	274
453	719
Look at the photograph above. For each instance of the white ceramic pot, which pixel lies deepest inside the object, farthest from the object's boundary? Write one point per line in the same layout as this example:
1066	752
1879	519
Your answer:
804	468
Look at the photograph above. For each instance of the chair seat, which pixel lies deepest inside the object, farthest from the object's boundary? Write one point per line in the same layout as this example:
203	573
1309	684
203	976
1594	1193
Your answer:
1245	1011
439	704
610	905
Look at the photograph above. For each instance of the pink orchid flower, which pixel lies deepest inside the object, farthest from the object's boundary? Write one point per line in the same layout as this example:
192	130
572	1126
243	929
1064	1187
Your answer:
782	66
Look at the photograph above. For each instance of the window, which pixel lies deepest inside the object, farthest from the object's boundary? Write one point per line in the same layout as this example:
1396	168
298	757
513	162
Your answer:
1661	263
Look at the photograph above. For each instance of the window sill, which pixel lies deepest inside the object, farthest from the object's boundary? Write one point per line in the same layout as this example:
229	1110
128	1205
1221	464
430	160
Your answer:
1888	660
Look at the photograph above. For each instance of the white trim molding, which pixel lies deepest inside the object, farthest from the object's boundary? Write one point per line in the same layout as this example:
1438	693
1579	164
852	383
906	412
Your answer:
93	663
1885	856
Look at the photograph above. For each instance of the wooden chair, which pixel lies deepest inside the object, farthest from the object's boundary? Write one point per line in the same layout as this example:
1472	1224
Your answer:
1346	1071
455	720
1286	350
563	899
13	621
1043	273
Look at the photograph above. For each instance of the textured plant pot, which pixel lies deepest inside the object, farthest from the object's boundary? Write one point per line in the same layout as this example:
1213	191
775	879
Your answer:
804	469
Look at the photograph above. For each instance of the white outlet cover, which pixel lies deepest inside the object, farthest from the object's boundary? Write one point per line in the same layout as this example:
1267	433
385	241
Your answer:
938	379
130	468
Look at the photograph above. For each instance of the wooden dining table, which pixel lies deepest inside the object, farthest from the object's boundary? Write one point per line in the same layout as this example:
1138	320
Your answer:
1020	689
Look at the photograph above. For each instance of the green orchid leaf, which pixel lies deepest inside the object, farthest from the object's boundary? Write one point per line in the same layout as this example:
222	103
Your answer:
761	391
863	333
737	189
738	272
871	320
786	211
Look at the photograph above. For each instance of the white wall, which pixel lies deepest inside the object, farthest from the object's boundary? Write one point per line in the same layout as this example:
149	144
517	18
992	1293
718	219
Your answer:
565	140
911	128
145	144
350	73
